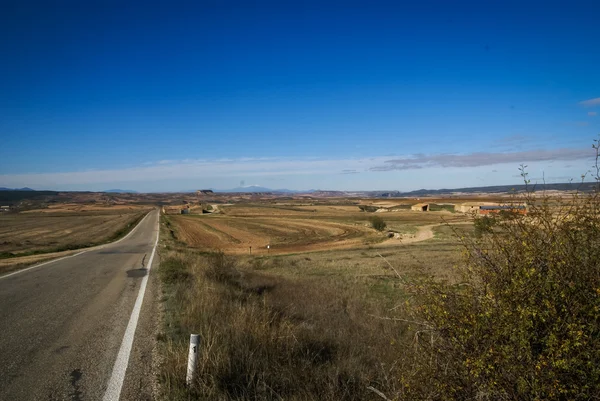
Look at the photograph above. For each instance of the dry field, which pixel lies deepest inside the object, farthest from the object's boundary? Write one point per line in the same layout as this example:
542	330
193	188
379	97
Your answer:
294	324
63	227
294	228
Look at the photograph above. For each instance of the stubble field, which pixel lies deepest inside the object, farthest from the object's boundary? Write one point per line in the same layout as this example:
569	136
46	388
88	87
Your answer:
36	235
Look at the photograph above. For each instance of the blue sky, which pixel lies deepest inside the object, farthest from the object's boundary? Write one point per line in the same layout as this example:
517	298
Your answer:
168	96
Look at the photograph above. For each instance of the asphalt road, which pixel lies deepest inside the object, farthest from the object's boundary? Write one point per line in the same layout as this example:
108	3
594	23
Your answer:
62	324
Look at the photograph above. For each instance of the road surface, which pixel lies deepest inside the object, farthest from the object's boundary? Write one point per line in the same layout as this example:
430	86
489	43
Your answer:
63	324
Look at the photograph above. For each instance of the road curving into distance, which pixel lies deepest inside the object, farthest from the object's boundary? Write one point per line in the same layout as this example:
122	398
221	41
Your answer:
82	327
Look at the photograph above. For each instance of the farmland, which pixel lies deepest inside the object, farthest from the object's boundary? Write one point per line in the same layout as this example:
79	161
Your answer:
31	236
308	318
293	228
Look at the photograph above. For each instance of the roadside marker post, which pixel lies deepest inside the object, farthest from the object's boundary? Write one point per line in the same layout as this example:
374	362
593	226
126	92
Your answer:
192	359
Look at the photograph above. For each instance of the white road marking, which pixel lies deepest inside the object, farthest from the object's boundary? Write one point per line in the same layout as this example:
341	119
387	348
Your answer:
94	248
115	383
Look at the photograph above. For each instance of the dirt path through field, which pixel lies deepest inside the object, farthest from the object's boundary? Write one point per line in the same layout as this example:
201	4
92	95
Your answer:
423	234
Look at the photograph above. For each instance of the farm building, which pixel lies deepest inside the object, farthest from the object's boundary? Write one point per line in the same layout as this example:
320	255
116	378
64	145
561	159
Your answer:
4	208
420	207
488	208
468	208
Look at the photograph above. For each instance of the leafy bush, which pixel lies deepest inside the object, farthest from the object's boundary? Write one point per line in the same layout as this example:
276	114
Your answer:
483	225
378	223
524	321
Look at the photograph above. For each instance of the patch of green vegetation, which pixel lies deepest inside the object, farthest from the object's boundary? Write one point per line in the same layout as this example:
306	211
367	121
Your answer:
435	207
378	223
367	208
15	196
173	270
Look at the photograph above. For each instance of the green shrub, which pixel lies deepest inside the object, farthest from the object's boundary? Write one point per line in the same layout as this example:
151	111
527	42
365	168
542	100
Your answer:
378	223
483	225
524	321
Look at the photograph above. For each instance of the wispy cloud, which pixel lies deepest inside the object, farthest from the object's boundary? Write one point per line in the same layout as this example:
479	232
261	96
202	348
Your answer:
590	102
193	169
592	113
263	168
481	159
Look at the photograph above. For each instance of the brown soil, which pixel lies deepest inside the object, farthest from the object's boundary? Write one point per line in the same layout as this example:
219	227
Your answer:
49	232
299	228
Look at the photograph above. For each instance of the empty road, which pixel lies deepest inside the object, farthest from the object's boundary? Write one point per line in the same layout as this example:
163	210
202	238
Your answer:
63	325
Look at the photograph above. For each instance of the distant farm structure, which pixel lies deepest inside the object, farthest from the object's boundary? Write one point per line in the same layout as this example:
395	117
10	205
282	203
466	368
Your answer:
468	207
488	208
420	207
4	208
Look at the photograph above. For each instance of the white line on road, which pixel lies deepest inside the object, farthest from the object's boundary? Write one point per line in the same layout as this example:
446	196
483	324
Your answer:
115	383
94	248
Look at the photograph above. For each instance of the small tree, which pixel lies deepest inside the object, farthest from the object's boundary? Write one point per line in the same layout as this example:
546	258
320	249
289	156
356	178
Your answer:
523	321
378	223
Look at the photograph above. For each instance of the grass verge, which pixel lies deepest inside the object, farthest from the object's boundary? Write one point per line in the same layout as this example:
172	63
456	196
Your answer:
270	333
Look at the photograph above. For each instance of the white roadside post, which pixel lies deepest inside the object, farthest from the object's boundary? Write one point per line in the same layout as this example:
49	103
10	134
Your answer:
192	359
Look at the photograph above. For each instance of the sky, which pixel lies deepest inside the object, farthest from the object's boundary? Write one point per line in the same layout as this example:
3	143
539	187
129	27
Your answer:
354	95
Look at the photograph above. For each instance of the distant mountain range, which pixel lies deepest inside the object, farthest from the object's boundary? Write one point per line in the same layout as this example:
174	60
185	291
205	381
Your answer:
584	187
16	189
257	188
588	186
121	191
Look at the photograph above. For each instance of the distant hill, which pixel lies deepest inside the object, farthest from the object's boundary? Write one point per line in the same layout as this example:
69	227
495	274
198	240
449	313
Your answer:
121	191
256	188
15	195
496	189
587	186
16	189
251	188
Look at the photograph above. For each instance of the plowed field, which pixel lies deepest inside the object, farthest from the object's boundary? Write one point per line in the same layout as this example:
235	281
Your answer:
290	229
27	233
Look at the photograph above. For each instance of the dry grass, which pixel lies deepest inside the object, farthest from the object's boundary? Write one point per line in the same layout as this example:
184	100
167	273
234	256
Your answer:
296	326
